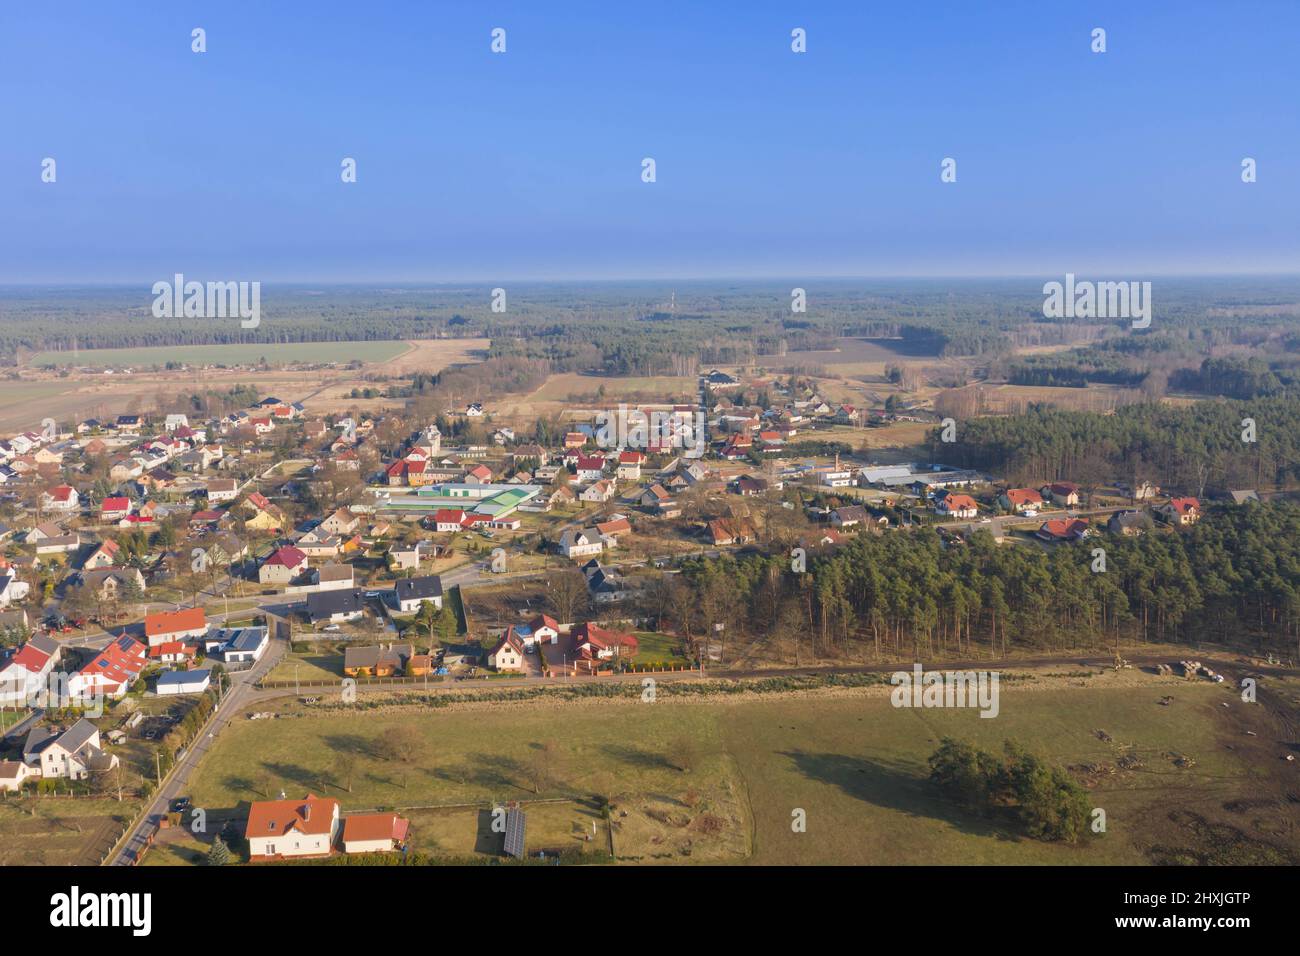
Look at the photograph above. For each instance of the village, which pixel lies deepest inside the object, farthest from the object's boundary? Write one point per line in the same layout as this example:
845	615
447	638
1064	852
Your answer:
148	561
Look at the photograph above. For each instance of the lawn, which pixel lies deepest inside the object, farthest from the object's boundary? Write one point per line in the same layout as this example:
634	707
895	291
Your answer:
853	764
658	650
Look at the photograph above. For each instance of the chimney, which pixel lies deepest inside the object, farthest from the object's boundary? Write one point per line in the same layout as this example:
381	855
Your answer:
306	811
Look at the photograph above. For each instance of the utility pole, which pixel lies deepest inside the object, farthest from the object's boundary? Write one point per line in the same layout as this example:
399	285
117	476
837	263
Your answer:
157	761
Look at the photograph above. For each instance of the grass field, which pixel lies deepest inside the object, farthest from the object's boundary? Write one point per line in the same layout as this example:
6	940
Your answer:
274	353
855	766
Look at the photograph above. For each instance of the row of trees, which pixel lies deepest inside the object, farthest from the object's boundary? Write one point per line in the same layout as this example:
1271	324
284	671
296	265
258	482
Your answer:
1233	576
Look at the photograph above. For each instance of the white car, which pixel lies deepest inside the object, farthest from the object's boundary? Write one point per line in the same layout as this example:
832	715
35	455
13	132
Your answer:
1030	513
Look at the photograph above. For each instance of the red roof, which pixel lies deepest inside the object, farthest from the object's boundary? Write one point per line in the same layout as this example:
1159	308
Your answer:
30	658
168	648
586	463
1184	505
115	504
61	493
173	622
959	503
310	815
1024	496
375	826
119	663
544	620
288	556
449	516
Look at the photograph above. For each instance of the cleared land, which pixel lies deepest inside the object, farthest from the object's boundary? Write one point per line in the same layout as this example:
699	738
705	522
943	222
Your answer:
1180	782
240	354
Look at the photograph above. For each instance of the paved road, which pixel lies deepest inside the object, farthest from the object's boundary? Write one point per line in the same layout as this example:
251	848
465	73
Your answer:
240	694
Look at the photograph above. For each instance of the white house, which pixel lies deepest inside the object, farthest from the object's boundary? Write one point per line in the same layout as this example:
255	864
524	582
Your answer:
410	593
291	828
581	542
73	753
183	682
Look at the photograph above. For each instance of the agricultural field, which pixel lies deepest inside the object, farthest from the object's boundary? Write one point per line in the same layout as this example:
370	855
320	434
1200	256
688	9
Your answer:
60	831
718	779
234	354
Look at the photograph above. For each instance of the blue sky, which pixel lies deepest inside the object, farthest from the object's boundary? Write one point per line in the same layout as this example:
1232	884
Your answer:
475	166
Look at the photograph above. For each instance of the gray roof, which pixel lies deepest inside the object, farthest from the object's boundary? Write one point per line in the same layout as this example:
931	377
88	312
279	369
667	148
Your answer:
417	589
182	677
325	603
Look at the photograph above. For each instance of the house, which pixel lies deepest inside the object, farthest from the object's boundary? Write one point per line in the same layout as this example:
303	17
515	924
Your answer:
105	556
376	660
410	593
374	832
12	589
173	652
589	468
613	529
266	516
1020	499
604	586
341	522
335	607
449	519
629	465
1181	511
61	498
167	626
318	543
291	828
574	440
542	629
563	495
1064	529
74	753
508	655
1244	497
109	584
242	645
112	510
474	410
14	773
850	516
957	506
748	486
580	542
593	644
222	489
600	492
111	672
656	496
284	565
478	475
26	674
334	577
1129	523
1064	493
183	682
725	531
